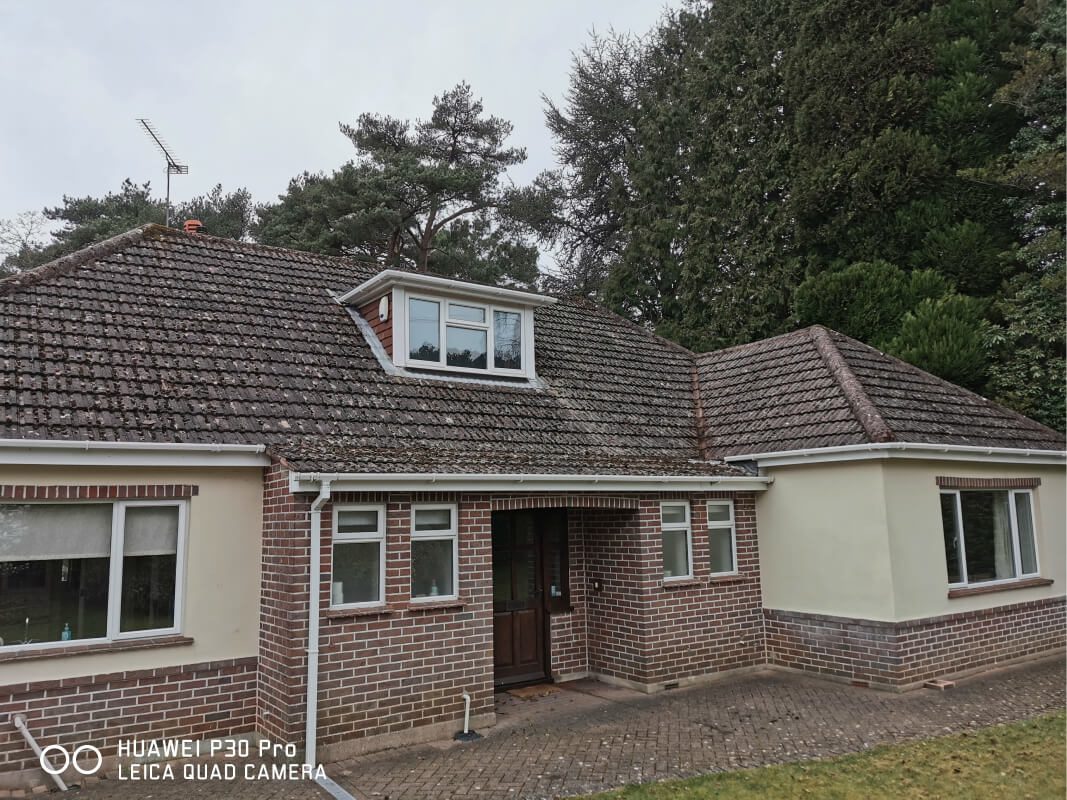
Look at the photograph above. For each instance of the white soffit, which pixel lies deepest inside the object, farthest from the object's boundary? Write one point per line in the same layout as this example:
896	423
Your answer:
385	280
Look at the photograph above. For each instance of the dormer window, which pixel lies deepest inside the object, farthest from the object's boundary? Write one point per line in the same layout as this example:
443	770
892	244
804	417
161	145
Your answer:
444	325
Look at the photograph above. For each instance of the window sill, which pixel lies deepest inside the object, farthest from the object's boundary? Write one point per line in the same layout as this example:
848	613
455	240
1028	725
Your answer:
681	583
436	605
727	577
347	613
1025	583
120	646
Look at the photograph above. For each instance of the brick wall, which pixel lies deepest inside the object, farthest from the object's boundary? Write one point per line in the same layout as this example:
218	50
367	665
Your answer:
405	665
644	630
904	653
193	701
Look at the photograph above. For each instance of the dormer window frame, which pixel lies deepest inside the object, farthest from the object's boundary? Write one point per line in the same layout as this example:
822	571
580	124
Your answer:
401	332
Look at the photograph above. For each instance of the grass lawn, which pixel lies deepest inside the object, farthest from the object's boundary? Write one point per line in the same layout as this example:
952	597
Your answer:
1022	760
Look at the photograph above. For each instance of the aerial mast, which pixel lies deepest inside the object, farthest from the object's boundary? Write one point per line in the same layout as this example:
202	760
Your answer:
173	165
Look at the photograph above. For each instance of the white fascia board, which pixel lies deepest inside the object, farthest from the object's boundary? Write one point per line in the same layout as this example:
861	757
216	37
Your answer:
66	453
386	279
903	450
490	483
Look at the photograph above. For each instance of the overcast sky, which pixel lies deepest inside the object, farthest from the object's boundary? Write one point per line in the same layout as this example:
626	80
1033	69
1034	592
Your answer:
250	93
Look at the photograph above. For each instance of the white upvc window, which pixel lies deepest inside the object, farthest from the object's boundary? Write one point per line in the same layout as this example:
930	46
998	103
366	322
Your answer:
988	535
460	335
722	537
88	572
677	534
358	578
434	552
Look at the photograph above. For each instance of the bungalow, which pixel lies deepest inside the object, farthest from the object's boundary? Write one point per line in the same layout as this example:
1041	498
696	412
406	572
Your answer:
246	491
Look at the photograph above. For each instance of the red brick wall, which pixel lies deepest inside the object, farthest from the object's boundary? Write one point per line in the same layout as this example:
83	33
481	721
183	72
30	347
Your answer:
904	653
406	665
644	630
193	701
283	608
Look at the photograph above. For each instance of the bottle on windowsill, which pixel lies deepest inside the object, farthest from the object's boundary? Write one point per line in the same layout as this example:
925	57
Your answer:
67	633
433	589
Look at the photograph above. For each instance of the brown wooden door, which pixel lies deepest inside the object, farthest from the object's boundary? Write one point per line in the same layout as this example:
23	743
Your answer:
518	599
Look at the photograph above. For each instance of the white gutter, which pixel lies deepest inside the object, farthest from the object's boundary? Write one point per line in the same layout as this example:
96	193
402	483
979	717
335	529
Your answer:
903	450
62	452
491	482
314	581
369	289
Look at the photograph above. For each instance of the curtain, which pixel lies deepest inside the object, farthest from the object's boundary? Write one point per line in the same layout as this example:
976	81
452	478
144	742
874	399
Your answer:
1004	560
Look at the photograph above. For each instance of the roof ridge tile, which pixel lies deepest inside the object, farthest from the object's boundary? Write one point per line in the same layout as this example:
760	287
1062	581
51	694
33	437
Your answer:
863	408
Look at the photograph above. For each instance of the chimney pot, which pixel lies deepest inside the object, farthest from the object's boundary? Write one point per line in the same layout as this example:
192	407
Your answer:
192	226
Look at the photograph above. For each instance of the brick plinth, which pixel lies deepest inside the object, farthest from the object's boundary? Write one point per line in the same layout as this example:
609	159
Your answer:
193	701
900	654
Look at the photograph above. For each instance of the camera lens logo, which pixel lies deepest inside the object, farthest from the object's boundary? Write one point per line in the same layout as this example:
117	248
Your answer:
65	758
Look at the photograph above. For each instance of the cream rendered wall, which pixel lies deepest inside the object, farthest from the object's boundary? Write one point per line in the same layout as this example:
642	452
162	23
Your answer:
221	606
920	578
823	540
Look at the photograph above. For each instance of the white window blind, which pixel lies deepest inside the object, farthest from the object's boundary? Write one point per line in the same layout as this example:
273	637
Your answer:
151	531
48	532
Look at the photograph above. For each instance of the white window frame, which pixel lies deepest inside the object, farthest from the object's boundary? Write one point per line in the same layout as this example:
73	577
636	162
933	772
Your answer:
402	358
719	525
1016	551
687	527
451	534
114	587
377	535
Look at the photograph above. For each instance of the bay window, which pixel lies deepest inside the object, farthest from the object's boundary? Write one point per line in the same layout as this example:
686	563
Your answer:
988	536
677	536
434	553
90	571
358	556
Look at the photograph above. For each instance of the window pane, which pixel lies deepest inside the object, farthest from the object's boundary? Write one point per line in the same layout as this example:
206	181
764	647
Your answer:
722	550
507	340
675	554
987	536
952	542
718	512
673	514
431	568
54	571
149	568
356	573
466	347
363	520
1025	517
433	519
424	330
468	313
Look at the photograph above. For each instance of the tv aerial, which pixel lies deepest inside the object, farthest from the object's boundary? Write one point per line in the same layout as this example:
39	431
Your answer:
174	167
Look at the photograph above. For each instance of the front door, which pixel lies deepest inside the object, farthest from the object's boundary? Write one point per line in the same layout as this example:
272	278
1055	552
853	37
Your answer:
519	631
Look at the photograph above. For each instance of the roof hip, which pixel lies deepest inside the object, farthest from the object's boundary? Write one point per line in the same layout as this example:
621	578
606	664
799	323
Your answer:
863	408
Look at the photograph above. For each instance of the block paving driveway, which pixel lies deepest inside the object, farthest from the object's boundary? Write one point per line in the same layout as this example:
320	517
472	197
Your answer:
587	736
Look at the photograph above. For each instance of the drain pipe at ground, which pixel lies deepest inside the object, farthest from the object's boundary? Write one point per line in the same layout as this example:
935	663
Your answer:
46	764
314	586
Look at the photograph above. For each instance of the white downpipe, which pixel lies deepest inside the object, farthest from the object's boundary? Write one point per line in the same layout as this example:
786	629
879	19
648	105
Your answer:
20	726
466	713
314	581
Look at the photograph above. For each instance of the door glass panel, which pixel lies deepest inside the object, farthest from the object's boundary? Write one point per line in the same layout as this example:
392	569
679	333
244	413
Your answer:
501	565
